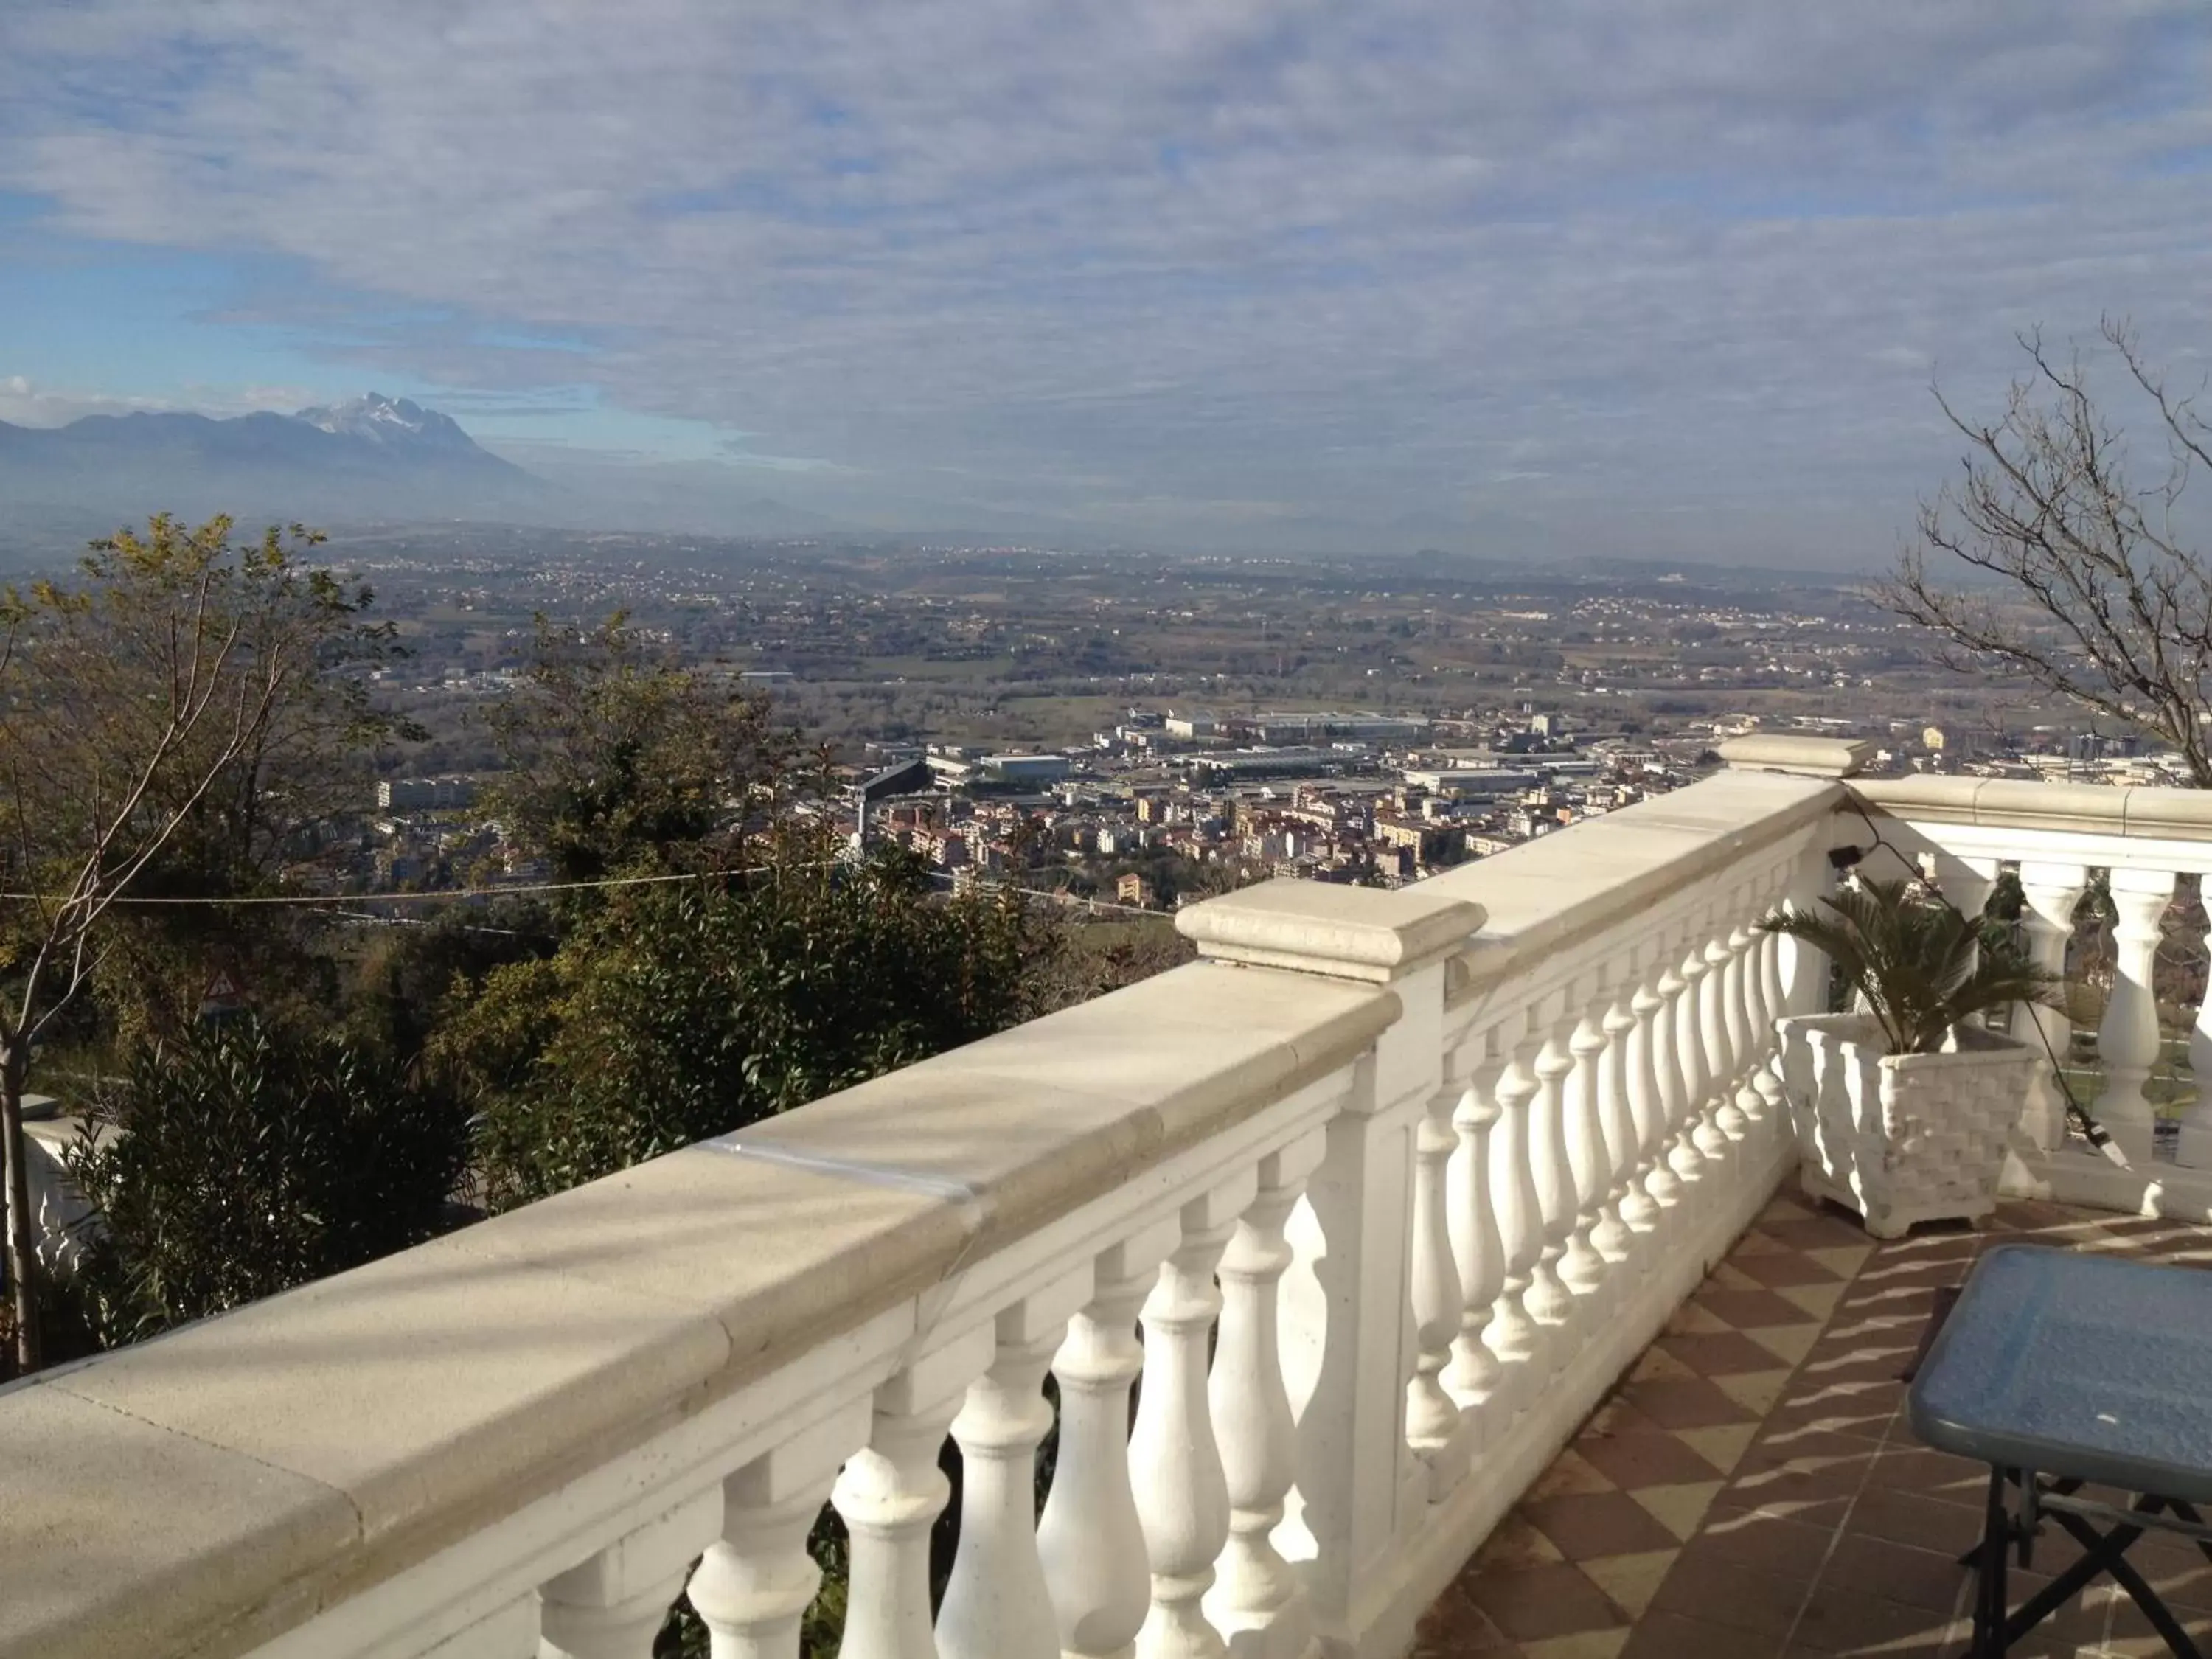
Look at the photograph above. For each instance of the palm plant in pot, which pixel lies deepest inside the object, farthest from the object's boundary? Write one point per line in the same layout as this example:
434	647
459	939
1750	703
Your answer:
1905	1106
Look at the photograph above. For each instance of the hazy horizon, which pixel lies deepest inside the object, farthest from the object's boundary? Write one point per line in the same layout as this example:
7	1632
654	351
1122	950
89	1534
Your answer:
1519	282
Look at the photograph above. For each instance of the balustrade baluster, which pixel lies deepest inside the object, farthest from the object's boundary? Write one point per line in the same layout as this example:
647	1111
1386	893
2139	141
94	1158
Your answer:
1698	1052
1474	1375
1514	1335
1749	1040
1255	1588
1183	1493
891	1492
1724	980
1433	1419
753	1586
2128	1041
1771	1005
1614	1235
1684	1158
996	1604
1090	1538
2195	1147
1582	1269
2050	892
1549	1301
1656	1191
613	1605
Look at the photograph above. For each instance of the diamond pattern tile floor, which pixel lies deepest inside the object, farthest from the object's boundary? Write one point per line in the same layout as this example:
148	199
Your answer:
1751	1491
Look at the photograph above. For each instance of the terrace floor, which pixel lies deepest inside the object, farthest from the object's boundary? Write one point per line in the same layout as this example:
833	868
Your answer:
1753	1490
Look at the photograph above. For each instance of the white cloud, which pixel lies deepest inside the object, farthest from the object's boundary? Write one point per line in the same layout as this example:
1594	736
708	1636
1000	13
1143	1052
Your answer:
1148	257
24	402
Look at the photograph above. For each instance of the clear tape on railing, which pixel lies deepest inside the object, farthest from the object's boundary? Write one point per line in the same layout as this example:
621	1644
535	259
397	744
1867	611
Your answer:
959	1192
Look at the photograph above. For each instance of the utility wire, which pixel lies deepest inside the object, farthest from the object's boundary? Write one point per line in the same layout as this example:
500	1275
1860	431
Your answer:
437	895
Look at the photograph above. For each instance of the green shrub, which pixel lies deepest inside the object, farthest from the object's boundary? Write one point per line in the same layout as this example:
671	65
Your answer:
676	1012
242	1160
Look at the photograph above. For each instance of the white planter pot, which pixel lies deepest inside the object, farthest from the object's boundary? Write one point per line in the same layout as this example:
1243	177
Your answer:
1902	1137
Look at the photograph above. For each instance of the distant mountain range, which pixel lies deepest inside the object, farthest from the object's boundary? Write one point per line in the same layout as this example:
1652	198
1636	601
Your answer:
375	458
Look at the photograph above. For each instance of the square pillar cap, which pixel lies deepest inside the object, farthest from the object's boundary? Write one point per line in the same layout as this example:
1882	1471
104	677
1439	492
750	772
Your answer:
1320	928
1810	757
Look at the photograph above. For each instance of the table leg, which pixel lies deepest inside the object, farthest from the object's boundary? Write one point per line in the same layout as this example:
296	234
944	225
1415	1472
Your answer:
1989	1638
2107	1552
2188	1512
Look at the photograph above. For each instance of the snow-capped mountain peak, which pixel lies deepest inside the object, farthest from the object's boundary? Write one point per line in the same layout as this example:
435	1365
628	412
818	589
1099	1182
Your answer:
388	421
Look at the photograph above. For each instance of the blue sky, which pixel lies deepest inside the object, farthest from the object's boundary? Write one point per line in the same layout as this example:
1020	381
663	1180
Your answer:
1514	275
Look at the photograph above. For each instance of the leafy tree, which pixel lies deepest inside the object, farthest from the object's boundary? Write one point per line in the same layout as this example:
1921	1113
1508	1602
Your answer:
619	760
2099	597
674	1012
144	713
247	1160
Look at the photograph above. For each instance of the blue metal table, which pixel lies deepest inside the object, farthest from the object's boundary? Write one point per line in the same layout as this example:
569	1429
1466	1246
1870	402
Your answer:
2062	1371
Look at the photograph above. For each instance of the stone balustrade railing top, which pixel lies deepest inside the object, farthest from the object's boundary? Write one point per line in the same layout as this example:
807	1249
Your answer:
1395	1185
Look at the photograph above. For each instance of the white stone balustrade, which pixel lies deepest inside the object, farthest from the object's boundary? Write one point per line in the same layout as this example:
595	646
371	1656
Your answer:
1396	1184
2060	840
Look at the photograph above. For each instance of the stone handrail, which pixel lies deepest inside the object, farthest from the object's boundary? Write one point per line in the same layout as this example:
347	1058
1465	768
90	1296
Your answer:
1422	1185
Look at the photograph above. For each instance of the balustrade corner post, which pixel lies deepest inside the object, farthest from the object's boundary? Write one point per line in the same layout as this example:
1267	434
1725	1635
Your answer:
1349	1323
753	1586
997	1605
612	1606
2050	893
2128	1039
891	1494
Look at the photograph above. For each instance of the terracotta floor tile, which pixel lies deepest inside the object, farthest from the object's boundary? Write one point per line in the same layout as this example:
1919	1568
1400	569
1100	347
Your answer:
1543	1602
1932	1474
1597	1524
1789	1267
1771	1543
1454	1625
1923	1524
1750	1309
1840	1621
1631	1581
1660	1635
1686	1402
1706	1584
1719	1354
1584	1644
1822	1232
1754	1489
1513	1545
1645	1460
1681	1509
1899	1572
2182	1578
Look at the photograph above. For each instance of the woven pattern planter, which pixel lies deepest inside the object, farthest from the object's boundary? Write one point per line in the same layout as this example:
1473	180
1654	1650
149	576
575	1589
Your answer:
1902	1137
